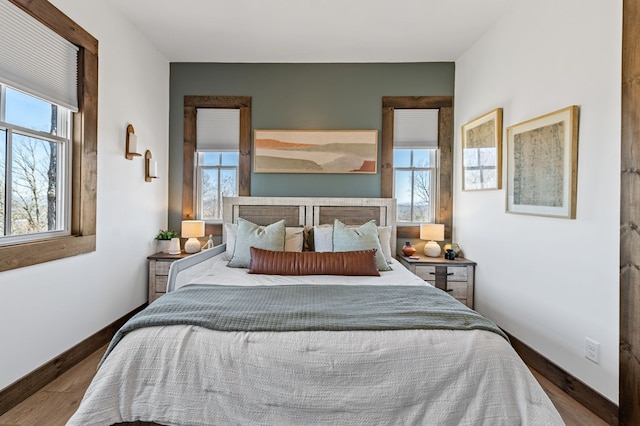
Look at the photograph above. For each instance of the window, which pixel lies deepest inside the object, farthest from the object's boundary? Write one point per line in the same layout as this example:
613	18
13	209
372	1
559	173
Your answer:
57	62
391	105
415	171
415	188
216	155
36	150
217	144
217	178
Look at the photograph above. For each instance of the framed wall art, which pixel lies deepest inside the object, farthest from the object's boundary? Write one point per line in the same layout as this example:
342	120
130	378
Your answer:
542	165
482	152
315	151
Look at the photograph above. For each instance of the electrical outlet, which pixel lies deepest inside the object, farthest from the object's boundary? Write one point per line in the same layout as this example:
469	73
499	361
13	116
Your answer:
592	350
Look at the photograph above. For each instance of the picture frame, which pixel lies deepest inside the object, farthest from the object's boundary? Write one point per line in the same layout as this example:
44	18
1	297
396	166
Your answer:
542	165
315	151
482	152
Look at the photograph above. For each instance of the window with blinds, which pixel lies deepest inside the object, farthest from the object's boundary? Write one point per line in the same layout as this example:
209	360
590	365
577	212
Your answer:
36	60
217	157
415	164
38	93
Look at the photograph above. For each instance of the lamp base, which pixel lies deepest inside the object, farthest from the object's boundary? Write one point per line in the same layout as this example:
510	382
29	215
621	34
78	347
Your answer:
432	249
192	245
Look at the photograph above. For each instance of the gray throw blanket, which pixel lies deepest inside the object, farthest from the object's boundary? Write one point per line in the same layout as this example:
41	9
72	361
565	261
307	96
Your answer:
308	308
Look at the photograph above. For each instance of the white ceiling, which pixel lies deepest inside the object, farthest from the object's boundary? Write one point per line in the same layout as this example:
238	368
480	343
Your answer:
312	30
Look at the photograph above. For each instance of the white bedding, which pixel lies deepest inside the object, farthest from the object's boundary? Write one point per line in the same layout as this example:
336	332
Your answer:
183	375
187	375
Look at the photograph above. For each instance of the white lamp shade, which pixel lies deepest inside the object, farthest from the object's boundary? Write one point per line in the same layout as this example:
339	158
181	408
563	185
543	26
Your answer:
153	168
432	231
133	142
192	228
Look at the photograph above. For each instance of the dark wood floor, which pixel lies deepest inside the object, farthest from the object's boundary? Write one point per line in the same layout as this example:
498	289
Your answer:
54	404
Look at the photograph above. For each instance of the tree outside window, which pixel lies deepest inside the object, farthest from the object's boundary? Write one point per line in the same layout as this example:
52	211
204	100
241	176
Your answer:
414	184
217	178
32	158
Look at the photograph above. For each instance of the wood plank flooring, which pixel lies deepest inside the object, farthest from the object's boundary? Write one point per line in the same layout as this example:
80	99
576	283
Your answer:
572	412
54	404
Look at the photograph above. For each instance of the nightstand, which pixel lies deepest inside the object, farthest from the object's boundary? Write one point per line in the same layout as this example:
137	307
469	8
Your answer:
453	276
159	265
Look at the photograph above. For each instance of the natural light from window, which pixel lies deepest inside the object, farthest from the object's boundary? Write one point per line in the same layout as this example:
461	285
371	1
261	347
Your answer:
217	159
415	184
217	178
34	154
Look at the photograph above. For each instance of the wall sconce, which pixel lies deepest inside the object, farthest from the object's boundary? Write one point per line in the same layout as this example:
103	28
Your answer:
150	167
432	232
132	144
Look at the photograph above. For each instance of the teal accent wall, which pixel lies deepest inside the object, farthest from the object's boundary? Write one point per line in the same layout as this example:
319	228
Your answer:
301	96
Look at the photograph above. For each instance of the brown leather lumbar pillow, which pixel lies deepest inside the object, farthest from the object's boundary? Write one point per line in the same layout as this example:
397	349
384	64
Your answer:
361	262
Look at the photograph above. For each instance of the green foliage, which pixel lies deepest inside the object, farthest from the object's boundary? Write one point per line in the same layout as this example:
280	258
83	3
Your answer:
166	235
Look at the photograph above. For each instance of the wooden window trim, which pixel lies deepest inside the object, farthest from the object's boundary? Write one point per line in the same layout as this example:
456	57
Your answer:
444	104
191	104
629	285
85	144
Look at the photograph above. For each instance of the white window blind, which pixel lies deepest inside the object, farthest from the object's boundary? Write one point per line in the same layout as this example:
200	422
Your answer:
36	60
415	128
218	129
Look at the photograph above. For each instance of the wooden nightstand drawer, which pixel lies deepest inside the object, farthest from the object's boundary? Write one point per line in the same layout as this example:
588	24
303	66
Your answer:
159	265
162	268
456	277
161	283
457	273
427	273
454	273
457	289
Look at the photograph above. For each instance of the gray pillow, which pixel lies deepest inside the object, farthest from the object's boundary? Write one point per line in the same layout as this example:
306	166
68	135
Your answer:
364	237
249	235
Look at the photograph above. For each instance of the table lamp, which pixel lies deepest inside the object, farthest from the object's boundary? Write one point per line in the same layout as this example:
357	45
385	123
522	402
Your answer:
432	232
192	229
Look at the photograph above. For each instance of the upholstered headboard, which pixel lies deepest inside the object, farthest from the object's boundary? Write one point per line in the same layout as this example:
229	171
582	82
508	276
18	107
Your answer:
312	211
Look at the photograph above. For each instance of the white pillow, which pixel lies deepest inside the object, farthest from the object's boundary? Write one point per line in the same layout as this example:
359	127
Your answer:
384	233
294	238
230	233
323	239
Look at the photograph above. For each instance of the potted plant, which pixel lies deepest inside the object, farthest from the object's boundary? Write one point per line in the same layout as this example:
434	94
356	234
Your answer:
164	238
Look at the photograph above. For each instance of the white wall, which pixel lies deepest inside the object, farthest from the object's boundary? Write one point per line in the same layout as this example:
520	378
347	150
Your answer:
550	282
46	309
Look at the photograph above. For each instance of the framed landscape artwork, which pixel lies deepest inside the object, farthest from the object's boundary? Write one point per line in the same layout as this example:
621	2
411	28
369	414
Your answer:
315	151
482	152
542	165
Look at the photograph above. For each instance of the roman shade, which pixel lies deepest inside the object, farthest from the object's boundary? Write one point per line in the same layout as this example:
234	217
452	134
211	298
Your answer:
415	128
218	129
36	60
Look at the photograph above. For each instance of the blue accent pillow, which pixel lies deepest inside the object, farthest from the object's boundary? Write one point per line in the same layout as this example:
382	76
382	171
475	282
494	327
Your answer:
364	237
249	235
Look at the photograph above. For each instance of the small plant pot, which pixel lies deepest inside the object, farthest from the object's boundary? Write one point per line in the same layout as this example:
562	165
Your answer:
163	245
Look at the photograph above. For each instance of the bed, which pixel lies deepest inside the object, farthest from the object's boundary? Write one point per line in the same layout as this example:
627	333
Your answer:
382	348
